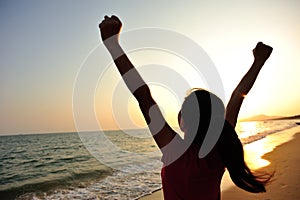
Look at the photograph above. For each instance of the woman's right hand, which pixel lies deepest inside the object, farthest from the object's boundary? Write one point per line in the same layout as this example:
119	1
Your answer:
262	52
110	28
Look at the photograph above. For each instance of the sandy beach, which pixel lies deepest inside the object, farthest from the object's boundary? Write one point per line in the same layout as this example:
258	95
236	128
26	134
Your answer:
285	185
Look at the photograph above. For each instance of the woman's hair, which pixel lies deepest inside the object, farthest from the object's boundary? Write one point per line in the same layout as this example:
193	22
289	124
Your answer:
198	109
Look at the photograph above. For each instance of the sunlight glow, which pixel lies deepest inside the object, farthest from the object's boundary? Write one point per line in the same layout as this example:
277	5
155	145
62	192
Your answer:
247	129
254	152
168	102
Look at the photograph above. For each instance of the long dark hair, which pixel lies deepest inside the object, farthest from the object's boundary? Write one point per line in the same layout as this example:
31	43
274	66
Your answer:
229	146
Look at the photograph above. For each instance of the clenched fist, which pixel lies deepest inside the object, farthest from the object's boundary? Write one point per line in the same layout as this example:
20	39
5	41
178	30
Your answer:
110	28
262	52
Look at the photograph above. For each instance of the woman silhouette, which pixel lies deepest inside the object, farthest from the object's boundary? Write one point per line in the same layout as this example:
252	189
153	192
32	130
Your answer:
185	175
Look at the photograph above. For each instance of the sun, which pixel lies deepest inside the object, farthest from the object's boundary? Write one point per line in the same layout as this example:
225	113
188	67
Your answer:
168	102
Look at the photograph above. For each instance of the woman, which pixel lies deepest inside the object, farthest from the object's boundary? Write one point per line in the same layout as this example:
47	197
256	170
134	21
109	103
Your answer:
185	175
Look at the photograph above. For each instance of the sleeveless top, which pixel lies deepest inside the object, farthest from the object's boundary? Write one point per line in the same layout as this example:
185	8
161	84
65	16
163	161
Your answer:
192	178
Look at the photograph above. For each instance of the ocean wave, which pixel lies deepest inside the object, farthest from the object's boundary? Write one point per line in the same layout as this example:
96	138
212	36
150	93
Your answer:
263	134
45	185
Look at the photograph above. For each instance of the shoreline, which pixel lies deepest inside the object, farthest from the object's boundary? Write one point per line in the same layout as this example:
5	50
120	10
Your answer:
285	183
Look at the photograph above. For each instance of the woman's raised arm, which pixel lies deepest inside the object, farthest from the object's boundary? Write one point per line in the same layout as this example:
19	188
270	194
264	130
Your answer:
162	133
261	53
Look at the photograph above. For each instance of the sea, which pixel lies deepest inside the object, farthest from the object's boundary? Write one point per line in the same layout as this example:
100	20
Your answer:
61	166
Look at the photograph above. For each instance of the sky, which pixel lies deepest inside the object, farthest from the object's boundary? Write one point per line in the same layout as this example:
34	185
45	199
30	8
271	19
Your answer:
44	43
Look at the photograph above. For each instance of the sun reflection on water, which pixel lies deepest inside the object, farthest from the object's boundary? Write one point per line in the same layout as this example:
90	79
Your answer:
246	129
254	151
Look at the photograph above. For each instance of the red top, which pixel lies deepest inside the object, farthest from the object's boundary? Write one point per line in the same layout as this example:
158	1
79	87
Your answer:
191	178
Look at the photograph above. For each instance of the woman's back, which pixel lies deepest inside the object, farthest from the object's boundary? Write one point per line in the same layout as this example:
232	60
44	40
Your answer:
192	178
